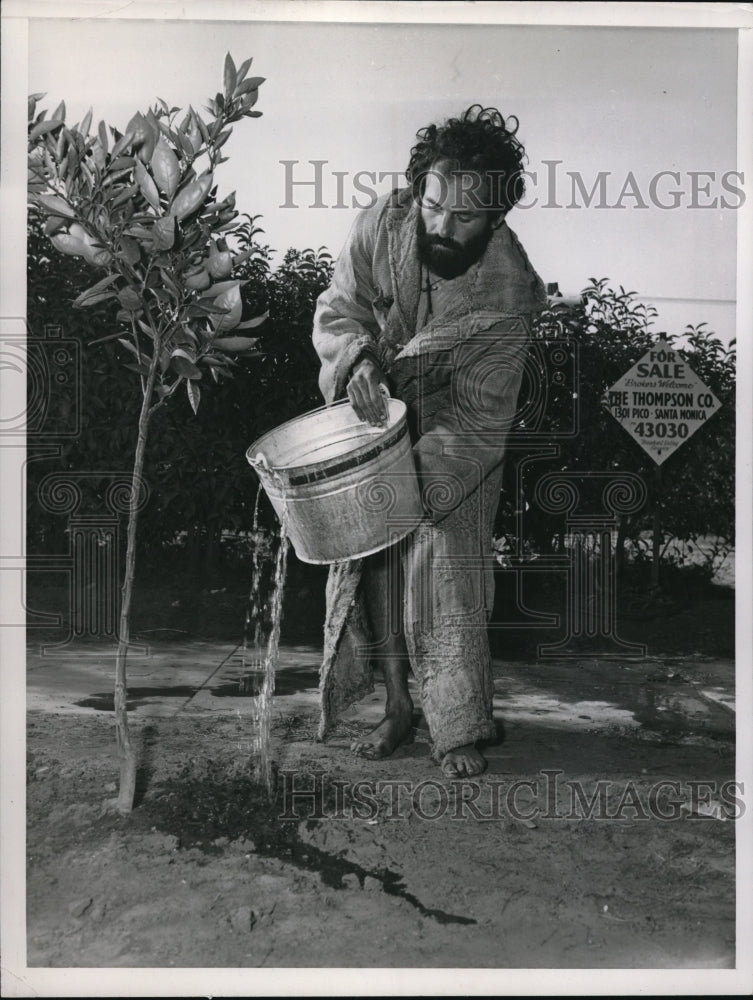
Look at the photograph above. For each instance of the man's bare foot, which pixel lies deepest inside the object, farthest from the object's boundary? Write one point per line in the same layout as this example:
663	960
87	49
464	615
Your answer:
394	729
463	762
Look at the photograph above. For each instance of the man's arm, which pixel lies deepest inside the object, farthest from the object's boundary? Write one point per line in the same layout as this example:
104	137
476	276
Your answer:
345	329
465	441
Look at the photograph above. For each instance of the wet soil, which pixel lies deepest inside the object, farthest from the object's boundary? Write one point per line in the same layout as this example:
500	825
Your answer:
405	869
601	836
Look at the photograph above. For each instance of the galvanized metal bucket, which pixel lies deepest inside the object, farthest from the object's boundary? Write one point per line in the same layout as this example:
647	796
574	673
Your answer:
343	488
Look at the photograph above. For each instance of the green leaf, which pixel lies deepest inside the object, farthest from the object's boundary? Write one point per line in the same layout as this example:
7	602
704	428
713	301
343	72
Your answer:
187	336
129	250
100	161
84	298
165	167
56	206
185	144
146	329
42	129
229	76
191	197
67	244
214	291
202	128
240	257
130	346
146	184
140	128
130	299
250	324
207	359
142	234
163	232
236	345
243	69
212	209
86	123
92	300
195	310
53	225
222	138
118	163
168	282
253	83
122	143
59	112
126	195
230	301
249	100
194	394
183	364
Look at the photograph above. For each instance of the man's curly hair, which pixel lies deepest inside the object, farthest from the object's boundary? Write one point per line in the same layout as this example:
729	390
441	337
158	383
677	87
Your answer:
480	141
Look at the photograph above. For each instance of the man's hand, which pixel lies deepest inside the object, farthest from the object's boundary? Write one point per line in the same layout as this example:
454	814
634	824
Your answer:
365	393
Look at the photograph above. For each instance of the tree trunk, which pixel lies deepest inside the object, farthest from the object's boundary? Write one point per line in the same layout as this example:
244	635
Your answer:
127	752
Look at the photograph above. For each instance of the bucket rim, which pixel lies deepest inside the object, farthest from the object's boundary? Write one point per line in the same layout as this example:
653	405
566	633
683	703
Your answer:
394	539
309	467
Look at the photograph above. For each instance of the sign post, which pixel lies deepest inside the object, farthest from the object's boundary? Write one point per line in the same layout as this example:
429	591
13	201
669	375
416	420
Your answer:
661	403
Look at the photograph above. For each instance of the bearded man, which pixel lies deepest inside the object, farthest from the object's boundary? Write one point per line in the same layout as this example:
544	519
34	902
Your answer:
432	298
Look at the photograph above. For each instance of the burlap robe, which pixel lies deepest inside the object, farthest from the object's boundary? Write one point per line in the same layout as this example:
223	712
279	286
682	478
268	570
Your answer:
460	377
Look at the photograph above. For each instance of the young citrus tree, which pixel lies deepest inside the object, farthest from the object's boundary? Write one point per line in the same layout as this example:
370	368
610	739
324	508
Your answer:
140	209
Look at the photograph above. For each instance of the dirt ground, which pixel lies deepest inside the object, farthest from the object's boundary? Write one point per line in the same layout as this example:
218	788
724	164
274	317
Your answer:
508	871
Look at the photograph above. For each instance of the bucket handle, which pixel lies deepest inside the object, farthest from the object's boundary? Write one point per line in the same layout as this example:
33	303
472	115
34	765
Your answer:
259	461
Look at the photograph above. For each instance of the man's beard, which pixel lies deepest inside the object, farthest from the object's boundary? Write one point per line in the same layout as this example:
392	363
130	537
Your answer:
446	257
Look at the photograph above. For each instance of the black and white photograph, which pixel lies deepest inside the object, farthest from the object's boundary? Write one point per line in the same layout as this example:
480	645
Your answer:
376	491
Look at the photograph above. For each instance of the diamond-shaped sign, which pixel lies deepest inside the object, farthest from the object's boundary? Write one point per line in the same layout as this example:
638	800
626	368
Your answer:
661	401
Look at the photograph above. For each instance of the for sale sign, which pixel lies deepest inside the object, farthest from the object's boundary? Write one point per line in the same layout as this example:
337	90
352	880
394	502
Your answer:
661	401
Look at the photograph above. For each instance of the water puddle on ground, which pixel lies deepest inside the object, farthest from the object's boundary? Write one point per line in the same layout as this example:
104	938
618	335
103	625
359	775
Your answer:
288	681
104	701
291	680
201	809
670	706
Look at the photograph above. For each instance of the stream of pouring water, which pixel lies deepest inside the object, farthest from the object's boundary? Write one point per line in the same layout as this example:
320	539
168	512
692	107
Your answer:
260	657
